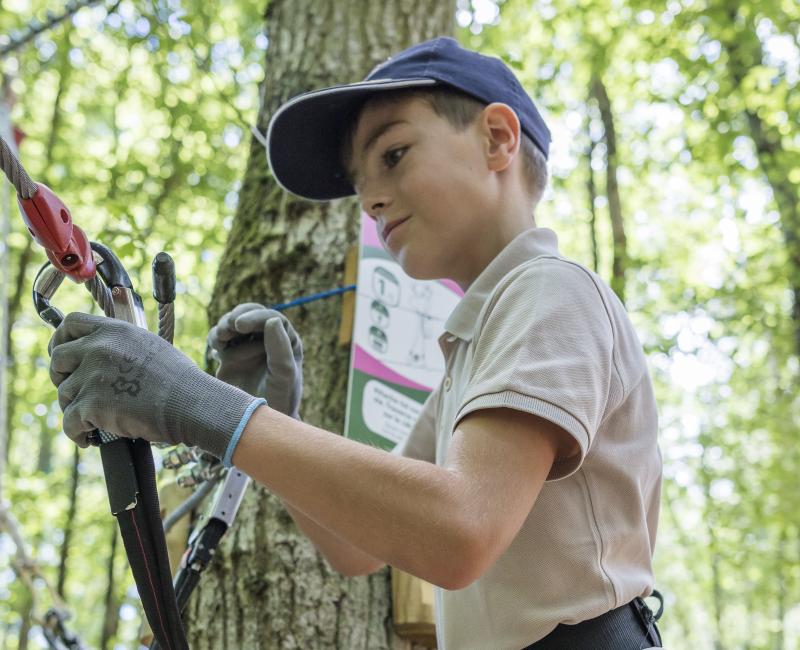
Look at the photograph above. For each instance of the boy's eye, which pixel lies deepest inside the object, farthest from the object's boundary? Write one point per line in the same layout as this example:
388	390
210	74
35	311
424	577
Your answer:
393	156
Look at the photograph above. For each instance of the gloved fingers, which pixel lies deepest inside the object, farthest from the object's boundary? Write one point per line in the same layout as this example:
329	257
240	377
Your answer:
277	343
68	390
220	339
75	426
74	326
213	342
297	344
225	330
294	339
254	321
242	353
64	360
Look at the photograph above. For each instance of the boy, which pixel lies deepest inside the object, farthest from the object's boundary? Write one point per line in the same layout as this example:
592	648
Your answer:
533	474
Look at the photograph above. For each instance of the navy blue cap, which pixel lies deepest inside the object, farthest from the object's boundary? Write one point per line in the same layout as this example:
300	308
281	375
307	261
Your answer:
304	138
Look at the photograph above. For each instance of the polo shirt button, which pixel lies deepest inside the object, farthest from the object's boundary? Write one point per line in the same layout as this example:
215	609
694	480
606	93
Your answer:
447	382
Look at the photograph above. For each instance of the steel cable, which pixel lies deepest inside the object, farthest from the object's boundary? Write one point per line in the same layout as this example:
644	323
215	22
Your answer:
166	321
15	172
102	295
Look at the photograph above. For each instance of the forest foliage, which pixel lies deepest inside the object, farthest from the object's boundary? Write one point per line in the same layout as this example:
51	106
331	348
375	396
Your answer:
675	173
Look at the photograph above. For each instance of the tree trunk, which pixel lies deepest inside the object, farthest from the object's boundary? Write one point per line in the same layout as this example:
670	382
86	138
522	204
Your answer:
592	191
70	525
268	588
717	590
26	609
44	460
111	614
781	606
620	261
744	51
679	613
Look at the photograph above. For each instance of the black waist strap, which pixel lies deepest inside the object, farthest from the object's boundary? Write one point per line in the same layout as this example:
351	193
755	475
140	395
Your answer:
630	627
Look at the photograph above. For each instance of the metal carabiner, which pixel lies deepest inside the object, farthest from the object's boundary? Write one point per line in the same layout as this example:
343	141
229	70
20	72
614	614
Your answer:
47	282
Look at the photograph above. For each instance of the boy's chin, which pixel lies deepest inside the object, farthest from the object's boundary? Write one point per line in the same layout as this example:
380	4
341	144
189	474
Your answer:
418	267
421	273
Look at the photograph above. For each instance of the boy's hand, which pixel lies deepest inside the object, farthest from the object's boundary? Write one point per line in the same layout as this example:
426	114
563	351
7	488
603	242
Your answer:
260	352
125	380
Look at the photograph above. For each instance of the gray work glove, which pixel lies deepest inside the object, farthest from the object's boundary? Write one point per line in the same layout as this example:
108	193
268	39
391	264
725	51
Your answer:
125	380
260	352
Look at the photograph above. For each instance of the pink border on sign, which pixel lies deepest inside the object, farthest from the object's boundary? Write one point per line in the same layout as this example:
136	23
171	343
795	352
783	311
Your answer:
369	232
369	237
452	286
365	362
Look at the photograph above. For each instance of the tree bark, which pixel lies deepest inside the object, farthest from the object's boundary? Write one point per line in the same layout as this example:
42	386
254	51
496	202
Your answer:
268	588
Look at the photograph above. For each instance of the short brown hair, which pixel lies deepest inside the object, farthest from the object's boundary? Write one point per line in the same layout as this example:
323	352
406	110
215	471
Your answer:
459	110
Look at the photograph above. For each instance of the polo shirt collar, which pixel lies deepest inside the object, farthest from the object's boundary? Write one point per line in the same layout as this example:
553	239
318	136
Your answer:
528	245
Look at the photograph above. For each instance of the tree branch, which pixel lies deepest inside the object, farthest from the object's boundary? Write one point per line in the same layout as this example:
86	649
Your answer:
36	27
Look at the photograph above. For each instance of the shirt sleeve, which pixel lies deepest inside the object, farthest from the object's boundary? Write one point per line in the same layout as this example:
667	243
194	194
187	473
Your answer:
421	442
545	346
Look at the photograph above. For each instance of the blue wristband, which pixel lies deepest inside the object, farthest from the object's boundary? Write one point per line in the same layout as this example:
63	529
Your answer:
227	460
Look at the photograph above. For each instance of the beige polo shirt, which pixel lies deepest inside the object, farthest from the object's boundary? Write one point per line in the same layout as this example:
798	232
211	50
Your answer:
538	333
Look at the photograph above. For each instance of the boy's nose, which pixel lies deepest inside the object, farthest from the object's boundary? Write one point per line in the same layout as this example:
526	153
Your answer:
374	205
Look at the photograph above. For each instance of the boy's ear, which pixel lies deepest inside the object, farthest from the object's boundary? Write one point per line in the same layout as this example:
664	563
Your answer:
502	132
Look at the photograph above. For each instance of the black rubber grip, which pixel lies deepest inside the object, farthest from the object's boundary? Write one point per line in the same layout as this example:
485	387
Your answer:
163	278
120	473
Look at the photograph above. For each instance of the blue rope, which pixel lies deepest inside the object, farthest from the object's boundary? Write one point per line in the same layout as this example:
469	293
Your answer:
311	298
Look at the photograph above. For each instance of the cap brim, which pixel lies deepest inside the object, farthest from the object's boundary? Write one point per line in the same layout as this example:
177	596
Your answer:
304	137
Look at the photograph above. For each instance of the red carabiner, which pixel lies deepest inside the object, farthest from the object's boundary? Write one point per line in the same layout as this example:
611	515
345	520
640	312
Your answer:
50	223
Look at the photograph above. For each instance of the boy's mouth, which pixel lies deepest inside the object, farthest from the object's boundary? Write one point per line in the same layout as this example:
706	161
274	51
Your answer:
392	225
